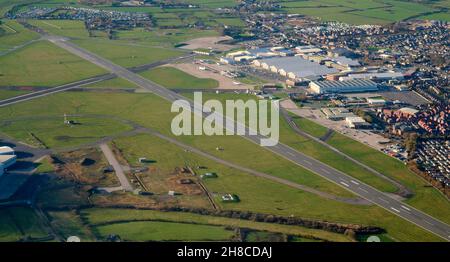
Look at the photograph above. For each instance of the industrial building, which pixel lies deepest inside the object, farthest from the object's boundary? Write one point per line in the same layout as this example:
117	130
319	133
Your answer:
350	86
295	67
381	76
7	158
356	122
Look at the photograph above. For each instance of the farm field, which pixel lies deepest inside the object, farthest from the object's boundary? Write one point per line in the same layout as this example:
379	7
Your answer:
30	66
366	11
176	79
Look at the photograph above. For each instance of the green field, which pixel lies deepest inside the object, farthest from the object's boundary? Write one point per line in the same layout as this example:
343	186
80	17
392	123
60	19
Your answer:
98	216
127	54
425	197
13	34
19	223
52	132
367	11
43	64
171	77
236	150
257	194
165	231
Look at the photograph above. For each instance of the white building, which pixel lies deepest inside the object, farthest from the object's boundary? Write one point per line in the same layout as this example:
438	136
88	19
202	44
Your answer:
7	158
350	86
355	121
6	150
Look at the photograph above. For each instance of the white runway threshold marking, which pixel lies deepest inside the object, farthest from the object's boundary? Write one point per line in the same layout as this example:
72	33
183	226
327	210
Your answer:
396	210
406	208
354	182
345	184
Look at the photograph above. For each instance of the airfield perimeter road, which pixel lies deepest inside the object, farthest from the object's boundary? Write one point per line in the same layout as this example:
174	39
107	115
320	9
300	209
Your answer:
371	194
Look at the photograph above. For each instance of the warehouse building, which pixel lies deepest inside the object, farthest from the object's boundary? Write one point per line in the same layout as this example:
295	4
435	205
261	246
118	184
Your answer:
381	76
357	122
295	67
350	86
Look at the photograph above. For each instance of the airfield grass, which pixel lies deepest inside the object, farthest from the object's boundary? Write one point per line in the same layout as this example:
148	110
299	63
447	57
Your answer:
14	35
165	231
151	111
107	215
19	222
155	113
53	133
309	127
67	28
43	64
425	197
174	78
5	94
126	54
314	149
261	195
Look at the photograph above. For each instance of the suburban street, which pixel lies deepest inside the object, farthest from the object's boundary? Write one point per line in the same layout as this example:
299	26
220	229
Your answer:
373	195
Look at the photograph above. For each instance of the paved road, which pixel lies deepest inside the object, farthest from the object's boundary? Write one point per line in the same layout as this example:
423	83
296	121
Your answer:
125	184
373	195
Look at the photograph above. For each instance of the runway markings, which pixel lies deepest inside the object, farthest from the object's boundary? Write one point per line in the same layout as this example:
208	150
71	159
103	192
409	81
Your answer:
290	153
354	182
325	171
345	184
429	223
406	208
396	210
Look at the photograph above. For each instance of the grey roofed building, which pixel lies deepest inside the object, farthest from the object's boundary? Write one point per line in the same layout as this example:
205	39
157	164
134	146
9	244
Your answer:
375	75
349	86
296	67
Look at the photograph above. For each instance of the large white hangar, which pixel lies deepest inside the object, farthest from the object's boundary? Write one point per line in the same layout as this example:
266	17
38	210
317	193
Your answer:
7	158
295	67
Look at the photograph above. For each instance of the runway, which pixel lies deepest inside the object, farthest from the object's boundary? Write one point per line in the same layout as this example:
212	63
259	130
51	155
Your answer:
390	204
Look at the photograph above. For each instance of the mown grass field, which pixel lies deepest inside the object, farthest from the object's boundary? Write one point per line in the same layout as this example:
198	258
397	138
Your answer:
155	113
171	77
13	34
126	54
43	64
257	194
55	134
